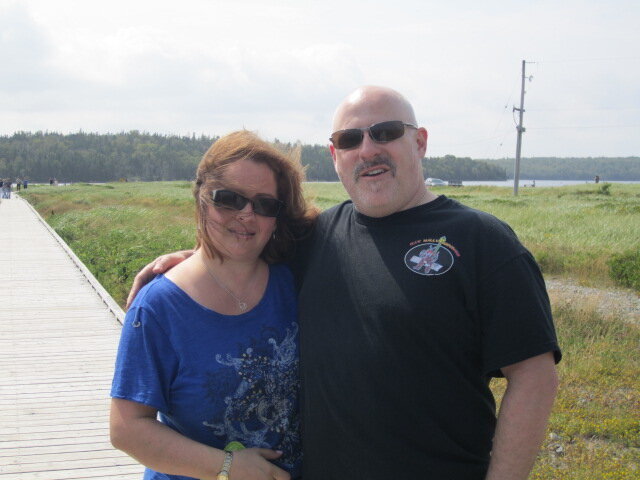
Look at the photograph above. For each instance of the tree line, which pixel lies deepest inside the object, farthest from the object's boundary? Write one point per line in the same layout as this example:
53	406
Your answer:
92	157
554	168
139	156
454	169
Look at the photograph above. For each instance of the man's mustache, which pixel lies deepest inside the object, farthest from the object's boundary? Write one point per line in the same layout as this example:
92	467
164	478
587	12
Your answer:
374	162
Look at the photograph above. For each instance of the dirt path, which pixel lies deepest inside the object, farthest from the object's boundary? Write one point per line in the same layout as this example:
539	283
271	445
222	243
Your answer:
624	303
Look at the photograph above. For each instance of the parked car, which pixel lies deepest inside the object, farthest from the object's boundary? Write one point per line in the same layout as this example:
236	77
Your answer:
435	182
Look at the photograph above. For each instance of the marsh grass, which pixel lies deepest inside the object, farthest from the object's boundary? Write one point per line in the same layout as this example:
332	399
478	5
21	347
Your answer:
594	431
325	194
572	231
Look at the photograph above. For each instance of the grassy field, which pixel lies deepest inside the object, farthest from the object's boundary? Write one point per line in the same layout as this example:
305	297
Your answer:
574	232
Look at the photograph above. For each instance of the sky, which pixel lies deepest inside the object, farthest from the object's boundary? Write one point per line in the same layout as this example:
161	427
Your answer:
281	67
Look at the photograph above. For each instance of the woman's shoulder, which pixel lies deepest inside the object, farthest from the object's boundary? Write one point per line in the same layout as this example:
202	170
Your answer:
155	293
281	272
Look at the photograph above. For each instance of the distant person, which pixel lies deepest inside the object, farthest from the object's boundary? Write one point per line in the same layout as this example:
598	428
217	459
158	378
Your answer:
25	183
18	184
6	188
410	303
51	181
596	179
212	346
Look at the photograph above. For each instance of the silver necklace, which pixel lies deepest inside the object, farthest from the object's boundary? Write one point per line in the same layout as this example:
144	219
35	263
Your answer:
242	305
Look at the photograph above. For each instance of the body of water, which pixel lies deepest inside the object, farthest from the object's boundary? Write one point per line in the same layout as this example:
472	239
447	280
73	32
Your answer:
538	183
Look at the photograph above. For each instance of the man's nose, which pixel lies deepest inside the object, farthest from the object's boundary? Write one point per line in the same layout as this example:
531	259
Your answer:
368	148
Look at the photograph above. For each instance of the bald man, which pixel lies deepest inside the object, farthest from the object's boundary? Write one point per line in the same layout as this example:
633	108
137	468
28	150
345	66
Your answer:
409	304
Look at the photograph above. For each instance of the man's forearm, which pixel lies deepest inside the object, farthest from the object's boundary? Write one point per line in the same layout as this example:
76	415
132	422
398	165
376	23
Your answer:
522	420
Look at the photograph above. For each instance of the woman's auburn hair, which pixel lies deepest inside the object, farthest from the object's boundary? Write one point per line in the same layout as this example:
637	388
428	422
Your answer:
296	217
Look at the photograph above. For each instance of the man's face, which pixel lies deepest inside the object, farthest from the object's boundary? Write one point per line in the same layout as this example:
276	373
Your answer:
380	178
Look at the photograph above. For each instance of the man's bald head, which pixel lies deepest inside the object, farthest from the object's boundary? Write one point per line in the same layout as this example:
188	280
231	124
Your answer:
373	98
381	175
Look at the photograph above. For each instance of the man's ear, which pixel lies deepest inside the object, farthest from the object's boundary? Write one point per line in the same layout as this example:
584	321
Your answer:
332	149
421	140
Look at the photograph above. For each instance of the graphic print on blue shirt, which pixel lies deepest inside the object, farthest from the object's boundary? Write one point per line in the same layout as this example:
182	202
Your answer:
261	403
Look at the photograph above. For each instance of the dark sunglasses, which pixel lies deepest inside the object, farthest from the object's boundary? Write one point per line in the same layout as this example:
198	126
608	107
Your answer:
382	132
265	206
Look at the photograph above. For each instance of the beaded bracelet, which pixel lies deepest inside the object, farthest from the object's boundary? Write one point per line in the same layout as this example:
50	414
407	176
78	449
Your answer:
226	465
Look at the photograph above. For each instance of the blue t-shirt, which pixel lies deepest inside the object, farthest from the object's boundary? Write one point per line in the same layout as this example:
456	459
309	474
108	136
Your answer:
216	378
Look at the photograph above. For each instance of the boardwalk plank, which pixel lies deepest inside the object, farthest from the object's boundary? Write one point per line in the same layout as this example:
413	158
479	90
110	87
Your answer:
14	446
38	452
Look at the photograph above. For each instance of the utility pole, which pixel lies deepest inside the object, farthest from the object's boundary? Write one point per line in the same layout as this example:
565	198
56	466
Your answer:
520	129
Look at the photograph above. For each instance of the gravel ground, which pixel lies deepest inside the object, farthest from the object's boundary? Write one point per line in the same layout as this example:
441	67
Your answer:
619	302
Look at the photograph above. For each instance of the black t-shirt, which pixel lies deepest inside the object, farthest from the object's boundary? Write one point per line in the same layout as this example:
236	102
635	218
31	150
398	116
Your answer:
404	319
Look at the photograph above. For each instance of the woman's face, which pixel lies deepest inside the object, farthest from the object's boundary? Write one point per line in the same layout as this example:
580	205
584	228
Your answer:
241	235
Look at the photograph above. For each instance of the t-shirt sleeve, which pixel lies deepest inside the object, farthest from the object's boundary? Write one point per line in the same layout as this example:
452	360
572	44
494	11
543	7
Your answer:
516	315
146	363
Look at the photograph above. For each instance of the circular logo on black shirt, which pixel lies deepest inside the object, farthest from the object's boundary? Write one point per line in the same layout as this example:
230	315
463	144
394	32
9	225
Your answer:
429	258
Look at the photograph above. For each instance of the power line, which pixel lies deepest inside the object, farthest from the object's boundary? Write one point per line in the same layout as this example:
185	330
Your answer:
597	109
565	127
596	59
473	142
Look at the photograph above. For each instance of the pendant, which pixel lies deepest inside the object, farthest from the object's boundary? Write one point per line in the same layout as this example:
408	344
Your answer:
242	306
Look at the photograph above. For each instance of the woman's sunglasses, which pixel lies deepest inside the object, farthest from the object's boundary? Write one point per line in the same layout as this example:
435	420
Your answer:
265	206
382	132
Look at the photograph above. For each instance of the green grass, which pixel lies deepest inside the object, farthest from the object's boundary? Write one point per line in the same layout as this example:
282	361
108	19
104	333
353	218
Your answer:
573	232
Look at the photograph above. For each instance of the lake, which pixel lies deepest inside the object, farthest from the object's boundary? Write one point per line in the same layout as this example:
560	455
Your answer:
539	183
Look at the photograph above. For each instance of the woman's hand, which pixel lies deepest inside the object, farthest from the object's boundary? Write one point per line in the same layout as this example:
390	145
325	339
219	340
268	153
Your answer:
254	464
160	265
136	431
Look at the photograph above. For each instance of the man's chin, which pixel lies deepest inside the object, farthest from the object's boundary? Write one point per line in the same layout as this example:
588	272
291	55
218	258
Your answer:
373	204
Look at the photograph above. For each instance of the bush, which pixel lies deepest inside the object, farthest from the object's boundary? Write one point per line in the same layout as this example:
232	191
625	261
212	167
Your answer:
550	261
605	189
624	269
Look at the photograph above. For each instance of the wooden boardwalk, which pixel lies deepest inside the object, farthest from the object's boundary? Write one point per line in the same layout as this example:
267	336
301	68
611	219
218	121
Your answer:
58	337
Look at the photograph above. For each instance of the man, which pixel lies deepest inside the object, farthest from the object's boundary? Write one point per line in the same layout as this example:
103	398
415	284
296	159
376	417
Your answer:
409	304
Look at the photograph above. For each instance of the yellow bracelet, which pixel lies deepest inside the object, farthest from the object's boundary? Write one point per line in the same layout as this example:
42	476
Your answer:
226	465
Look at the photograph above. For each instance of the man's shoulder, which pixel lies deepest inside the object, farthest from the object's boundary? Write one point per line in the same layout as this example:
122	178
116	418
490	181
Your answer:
473	218
334	214
346	206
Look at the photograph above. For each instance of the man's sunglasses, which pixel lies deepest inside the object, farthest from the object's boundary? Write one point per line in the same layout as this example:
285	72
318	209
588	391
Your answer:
265	206
382	132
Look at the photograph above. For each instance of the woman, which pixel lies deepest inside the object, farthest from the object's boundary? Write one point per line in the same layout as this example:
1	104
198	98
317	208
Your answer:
212	345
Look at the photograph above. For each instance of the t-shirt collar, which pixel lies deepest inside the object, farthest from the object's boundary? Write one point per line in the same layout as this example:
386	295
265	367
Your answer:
401	215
